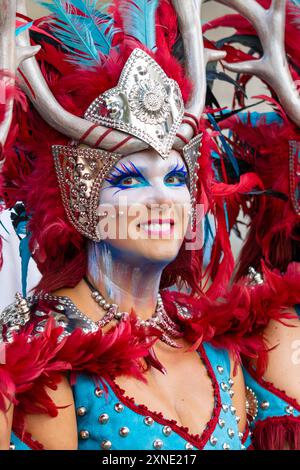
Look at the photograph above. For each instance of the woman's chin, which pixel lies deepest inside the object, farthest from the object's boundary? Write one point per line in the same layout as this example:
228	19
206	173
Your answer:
164	251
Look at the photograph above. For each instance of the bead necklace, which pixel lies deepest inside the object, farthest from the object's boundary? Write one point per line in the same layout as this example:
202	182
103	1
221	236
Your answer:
159	320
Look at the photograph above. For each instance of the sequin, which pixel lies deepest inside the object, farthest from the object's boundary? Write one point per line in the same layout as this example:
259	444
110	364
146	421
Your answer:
148	420
119	407
103	419
124	431
157	444
106	445
81	411
84	434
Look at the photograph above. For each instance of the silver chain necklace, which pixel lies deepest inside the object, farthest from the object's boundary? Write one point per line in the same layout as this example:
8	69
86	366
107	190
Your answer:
159	320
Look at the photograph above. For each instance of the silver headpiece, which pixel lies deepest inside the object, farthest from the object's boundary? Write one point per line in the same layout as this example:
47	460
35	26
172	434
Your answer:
80	173
145	103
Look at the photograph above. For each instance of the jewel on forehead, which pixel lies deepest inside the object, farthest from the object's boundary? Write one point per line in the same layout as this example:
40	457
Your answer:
145	103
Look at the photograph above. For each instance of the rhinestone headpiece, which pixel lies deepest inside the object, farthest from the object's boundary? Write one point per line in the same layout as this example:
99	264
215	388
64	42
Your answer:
80	173
145	103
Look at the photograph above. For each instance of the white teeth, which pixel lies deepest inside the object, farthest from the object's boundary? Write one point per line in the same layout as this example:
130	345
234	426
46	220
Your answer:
156	227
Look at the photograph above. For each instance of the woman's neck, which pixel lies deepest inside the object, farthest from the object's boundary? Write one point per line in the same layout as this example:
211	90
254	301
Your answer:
131	283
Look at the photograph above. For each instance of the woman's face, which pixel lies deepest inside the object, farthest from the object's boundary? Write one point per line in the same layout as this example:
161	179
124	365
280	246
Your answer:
145	205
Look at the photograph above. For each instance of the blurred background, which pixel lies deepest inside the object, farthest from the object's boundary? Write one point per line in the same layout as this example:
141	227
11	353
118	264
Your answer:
10	275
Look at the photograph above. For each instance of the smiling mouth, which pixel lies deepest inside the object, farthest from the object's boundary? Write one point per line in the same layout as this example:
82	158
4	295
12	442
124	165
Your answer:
158	227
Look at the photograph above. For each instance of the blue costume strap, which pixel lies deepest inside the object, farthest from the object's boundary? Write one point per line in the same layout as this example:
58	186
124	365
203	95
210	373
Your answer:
269	403
17	444
297	308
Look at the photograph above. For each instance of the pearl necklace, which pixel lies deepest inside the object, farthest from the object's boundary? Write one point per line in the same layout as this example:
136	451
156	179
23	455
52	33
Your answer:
159	320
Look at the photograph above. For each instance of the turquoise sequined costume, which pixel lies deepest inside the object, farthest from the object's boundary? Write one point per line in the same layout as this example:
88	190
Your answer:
108	419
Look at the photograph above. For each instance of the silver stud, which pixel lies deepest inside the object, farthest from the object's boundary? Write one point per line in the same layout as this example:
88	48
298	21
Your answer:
60	307
106	445
224	386
119	407
226	446
289	409
238	419
220	369
157	444
264	405
231	382
81	411
124	431
243	447
148	420
225	407
241	435
39	329
230	433
12	447
189	446
221	423
213	440
231	393
103	419
167	430
98	392
84	434
233	410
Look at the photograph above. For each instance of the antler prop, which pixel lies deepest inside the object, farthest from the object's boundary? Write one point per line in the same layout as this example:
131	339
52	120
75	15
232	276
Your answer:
10	59
272	67
196	57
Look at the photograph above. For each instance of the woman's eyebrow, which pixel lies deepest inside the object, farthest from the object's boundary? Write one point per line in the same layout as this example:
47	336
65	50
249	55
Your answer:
180	165
126	168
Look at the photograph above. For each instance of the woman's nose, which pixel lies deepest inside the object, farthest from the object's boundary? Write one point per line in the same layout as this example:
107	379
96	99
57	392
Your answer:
161	196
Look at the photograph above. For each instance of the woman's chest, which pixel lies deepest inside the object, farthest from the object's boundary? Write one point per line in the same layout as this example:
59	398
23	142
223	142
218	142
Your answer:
113	420
185	393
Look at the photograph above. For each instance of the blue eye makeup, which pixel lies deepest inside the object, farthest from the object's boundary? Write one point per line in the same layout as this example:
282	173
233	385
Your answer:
126	176
177	177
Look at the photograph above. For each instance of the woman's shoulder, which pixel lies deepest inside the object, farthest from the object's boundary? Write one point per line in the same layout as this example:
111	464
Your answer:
14	317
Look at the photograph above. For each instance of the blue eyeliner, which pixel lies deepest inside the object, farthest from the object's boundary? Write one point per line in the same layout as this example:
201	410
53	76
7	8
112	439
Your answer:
126	172
179	173
119	174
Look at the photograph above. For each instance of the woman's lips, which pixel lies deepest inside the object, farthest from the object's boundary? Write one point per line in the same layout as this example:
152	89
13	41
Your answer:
158	226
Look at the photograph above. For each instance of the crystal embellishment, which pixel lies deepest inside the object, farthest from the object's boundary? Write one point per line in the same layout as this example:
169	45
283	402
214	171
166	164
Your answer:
145	103
80	172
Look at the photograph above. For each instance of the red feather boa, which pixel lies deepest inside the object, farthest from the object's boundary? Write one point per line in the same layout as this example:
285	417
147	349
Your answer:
34	363
277	433
234	322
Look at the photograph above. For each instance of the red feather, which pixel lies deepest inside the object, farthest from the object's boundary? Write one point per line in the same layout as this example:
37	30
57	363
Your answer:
277	433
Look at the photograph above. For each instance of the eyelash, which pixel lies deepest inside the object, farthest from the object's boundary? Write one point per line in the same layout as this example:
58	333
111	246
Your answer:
181	173
125	172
